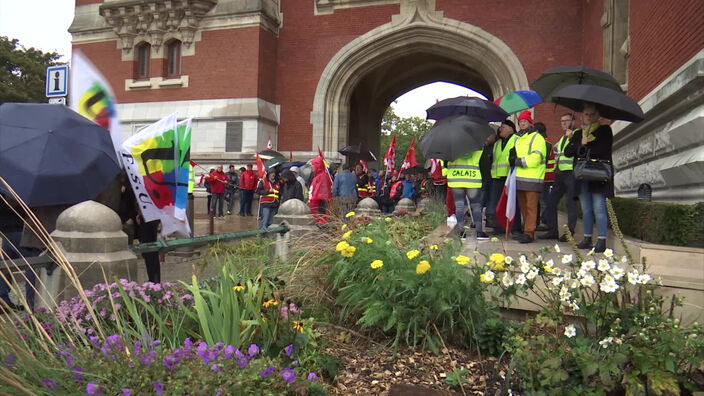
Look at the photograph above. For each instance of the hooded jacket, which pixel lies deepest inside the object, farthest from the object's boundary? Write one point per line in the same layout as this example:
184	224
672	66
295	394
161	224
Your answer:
321	186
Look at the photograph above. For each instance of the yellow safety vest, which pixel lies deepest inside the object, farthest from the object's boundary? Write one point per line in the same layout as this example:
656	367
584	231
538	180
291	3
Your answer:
531	147
564	163
273	195
500	166
464	172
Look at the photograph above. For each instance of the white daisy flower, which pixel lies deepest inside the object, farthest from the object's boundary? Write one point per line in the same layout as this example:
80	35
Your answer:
557	248
603	265
588	265
566	259
523	260
633	277
608	253
507	280
508	260
532	273
521	279
617	272
570	331
556	271
556	281
525	267
587	280
643	279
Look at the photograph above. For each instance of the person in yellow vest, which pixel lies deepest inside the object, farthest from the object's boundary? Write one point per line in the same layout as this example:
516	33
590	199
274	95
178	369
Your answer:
549	177
528	157
269	198
499	171
465	180
564	184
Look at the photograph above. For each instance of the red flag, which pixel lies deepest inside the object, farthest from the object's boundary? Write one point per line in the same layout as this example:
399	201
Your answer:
269	146
327	166
290	156
261	172
193	163
364	165
506	208
389	161
436	169
410	161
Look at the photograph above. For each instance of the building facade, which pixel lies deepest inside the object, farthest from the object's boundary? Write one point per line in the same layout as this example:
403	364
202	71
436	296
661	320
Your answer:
320	73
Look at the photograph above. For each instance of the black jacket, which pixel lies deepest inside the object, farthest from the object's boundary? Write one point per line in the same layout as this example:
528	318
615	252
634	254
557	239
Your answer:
291	191
599	148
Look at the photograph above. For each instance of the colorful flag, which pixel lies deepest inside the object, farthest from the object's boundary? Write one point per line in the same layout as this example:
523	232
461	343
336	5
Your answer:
327	165
269	146
389	161
157	163
410	161
506	208
92	97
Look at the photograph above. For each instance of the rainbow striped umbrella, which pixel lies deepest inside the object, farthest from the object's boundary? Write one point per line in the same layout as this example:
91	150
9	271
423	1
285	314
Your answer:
516	101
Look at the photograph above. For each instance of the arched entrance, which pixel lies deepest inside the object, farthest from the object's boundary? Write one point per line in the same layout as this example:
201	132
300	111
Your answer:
417	47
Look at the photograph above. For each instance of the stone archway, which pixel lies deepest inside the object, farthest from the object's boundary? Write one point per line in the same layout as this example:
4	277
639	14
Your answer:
463	54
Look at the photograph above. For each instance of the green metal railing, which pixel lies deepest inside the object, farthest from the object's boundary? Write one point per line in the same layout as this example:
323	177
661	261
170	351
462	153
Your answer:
165	246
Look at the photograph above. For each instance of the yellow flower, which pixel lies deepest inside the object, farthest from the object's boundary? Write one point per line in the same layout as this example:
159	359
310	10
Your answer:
497	258
342	246
463	260
434	247
547	269
487	277
350	214
422	267
238	287
376	264
269	303
494	239
347	234
498	266
298	326
344	227
411	254
348	251
368	240
388	219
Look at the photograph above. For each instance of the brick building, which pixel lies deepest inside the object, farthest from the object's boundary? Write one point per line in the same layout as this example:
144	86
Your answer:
319	73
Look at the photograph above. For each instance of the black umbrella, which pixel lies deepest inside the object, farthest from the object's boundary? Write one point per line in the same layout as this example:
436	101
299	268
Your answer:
465	105
288	165
358	151
51	155
453	137
268	154
270	163
561	76
611	104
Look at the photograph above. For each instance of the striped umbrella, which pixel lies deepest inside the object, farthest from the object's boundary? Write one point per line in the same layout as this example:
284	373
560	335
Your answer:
516	101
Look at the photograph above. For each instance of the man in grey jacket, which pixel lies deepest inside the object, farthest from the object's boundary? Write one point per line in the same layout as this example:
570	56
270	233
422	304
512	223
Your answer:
345	187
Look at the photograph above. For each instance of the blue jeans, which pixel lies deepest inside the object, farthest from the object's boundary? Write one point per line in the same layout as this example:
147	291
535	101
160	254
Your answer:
267	213
594	206
230	197
475	204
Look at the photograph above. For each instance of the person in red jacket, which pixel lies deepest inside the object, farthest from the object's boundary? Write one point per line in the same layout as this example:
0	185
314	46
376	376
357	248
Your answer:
248	183
218	180
320	190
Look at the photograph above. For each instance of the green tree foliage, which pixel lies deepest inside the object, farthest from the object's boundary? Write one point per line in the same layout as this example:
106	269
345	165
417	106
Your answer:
23	71
405	129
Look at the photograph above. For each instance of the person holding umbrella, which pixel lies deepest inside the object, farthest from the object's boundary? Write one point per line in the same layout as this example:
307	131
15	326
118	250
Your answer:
528	157
595	141
499	172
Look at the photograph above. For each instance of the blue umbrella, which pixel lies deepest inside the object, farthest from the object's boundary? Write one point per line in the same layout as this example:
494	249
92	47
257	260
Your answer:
466	105
51	155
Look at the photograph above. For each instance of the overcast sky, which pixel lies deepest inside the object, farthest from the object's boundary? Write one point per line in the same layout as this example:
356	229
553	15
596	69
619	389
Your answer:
43	24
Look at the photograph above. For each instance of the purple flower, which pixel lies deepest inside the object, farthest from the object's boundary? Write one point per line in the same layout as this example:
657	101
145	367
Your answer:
93	341
188	343
242	362
171	361
220	391
126	392
158	388
267	372
288	350
148	358
229	352
94	388
288	375
295	363
216	368
313	377
77	374
156	343
10	360
137	348
253	350
49	383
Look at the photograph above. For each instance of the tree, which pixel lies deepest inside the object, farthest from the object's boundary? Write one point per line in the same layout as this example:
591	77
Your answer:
23	72
405	129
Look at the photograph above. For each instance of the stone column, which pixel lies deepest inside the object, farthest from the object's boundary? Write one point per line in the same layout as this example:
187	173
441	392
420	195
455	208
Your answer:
368	207
405	205
90	236
296	215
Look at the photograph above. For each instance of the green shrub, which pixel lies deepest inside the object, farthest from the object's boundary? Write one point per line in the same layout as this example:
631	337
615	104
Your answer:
420	293
659	222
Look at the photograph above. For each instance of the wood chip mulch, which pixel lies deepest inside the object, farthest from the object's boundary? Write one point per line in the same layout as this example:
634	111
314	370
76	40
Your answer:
368	368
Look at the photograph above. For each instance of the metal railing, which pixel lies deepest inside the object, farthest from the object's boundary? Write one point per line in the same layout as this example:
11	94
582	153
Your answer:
165	246
21	264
